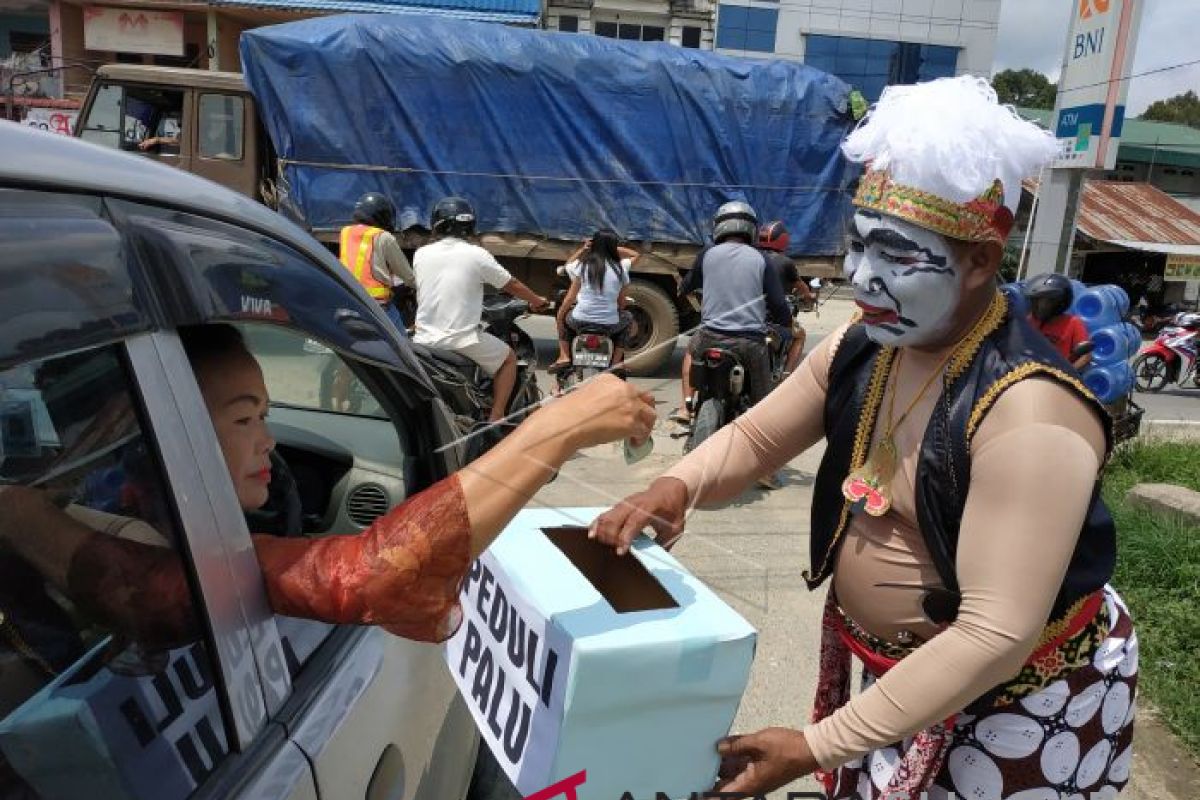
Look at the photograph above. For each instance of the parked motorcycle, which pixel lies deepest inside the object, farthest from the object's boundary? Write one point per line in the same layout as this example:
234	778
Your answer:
467	389
1172	357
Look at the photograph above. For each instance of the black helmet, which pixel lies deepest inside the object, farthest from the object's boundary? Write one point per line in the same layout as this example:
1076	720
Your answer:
1049	295
375	209
453	216
735	218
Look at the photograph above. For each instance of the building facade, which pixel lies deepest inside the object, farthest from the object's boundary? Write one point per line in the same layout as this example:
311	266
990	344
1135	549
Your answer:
685	23
867	43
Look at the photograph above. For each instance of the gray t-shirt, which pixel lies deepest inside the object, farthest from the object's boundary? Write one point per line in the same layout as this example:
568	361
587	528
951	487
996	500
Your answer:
599	306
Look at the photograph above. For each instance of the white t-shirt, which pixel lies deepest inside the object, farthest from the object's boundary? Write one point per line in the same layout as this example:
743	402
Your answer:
599	306
450	276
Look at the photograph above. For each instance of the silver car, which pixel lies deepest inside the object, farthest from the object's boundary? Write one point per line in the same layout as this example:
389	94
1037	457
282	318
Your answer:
102	256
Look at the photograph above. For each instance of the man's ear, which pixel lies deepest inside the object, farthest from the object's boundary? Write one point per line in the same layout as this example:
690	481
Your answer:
981	262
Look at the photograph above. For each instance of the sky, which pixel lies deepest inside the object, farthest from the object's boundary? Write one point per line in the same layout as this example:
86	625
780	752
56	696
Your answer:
1033	34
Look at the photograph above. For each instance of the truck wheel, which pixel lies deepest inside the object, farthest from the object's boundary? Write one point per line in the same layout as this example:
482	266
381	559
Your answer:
656	324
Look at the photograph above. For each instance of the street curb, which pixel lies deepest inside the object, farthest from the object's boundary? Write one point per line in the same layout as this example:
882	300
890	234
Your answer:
1170	429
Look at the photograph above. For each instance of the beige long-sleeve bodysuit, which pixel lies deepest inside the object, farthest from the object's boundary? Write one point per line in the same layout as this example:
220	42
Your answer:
1034	462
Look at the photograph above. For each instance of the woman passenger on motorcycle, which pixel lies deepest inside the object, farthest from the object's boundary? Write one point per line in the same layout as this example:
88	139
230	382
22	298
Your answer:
599	272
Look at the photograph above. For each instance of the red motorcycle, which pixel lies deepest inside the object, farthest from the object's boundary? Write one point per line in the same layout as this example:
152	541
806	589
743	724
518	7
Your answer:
1172	357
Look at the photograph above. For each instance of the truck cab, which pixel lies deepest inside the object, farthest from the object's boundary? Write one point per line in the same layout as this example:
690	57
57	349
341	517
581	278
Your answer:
201	122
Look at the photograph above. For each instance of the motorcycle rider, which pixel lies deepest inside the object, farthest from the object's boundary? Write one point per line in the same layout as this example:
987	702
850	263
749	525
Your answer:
450	275
1050	296
372	254
599	273
742	293
773	241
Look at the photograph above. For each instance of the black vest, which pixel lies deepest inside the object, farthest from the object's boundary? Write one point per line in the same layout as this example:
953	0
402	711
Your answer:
1009	352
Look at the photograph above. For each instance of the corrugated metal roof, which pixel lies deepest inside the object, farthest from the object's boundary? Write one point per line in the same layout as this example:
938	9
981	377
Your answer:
505	11
1137	216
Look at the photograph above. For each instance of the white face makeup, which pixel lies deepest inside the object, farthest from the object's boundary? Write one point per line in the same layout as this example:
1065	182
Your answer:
905	279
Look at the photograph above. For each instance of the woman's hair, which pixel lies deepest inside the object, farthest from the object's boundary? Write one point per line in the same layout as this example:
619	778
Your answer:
601	256
206	344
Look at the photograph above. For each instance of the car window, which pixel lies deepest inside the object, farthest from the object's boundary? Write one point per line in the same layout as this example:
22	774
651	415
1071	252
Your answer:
222	117
304	373
106	674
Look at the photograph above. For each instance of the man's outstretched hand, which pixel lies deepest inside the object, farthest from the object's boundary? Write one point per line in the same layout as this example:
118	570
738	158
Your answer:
758	763
662	507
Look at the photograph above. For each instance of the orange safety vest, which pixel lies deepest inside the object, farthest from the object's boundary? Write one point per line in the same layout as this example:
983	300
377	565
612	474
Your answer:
358	250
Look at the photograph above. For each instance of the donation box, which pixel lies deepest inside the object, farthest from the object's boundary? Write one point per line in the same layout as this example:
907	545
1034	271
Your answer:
607	676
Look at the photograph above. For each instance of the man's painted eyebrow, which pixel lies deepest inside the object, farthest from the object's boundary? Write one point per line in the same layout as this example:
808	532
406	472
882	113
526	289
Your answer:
886	237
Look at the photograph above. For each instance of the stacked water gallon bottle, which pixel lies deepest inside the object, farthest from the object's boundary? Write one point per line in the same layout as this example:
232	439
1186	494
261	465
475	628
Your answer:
1102	309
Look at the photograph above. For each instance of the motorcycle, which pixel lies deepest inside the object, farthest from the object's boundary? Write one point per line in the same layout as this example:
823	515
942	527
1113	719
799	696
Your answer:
720	390
467	389
1171	357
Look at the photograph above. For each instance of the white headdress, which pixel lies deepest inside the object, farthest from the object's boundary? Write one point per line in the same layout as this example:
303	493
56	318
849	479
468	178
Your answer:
947	156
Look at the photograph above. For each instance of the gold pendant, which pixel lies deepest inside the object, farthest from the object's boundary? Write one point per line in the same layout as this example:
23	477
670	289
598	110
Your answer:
872	482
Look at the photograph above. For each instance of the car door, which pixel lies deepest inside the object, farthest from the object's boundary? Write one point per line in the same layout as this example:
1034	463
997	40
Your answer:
130	664
376	715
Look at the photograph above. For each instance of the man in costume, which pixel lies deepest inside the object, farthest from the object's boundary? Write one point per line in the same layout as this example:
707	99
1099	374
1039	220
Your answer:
956	508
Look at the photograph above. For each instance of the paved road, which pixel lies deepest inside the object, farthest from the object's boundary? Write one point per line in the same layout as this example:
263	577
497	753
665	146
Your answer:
753	551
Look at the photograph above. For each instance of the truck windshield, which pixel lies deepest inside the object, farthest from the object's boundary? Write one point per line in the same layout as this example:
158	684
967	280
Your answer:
135	118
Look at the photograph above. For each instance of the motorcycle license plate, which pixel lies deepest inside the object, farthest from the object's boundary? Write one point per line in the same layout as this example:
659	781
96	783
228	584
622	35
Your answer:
587	358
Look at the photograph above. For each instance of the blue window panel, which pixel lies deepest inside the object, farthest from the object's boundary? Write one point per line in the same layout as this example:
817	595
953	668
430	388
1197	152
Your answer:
743	28
943	56
763	20
760	41
733	16
872	64
730	38
820	46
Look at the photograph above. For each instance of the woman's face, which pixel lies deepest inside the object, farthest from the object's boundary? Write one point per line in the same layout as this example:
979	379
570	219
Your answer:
236	396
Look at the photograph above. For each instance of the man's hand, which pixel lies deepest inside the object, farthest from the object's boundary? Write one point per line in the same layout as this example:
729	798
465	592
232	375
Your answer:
662	507
542	303
146	144
758	763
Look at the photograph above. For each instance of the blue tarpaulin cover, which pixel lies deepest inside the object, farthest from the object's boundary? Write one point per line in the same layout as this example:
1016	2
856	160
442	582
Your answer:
548	134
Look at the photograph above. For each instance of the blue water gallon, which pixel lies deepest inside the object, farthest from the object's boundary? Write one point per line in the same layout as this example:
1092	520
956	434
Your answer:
1016	298
1134	339
1077	290
1112	343
1109	382
1100	306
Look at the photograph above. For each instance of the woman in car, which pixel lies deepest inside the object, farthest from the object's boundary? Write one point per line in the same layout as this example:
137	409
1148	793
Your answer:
402	573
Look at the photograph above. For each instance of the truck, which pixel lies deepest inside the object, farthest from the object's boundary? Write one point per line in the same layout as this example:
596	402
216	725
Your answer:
550	135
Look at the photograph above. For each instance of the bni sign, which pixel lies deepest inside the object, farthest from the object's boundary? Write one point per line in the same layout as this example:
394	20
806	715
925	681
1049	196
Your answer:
1090	110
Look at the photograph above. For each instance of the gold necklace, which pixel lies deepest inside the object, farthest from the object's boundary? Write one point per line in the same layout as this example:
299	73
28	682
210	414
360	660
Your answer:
872	482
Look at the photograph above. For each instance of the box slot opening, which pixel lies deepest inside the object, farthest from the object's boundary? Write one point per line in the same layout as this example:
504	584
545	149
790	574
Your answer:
621	580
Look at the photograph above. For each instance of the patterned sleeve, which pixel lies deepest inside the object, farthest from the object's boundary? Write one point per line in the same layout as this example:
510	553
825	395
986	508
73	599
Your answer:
403	573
